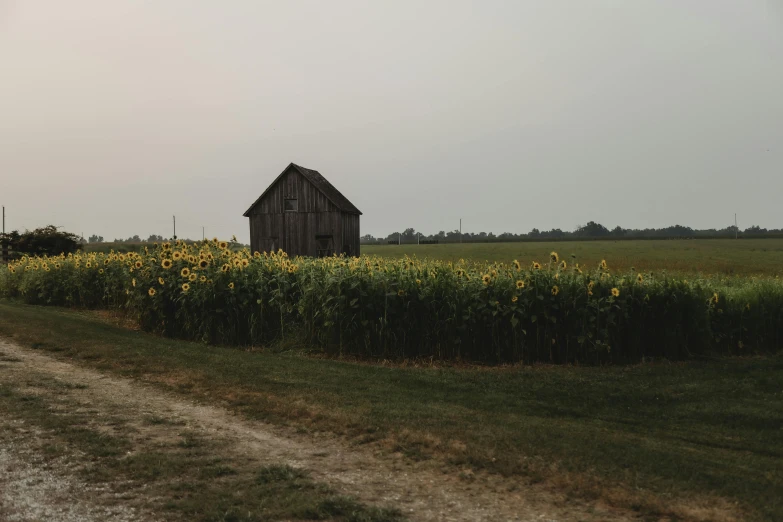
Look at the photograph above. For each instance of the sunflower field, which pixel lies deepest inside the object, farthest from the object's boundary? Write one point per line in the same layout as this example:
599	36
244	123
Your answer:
556	311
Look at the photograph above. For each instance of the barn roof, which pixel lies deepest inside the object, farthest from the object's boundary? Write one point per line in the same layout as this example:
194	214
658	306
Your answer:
320	182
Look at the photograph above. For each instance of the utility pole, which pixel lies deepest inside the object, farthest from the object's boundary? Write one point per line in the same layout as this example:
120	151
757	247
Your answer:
736	230
175	226
399	238
202	233
460	230
418	238
3	219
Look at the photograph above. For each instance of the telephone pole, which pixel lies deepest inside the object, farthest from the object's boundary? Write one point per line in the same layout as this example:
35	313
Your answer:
202	233
175	226
736	230
460	230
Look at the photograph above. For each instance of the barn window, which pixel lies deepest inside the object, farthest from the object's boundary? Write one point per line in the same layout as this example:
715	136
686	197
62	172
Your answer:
291	205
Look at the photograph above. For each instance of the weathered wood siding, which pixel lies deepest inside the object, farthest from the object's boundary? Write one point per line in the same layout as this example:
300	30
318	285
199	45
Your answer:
295	232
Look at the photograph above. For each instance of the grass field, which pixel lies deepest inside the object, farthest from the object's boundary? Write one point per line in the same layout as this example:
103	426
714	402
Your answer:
708	256
659	438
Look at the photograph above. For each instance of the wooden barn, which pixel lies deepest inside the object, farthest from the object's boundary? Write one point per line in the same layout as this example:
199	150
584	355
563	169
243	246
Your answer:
305	215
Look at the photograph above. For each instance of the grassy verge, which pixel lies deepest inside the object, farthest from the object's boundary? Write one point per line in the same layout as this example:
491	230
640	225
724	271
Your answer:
189	479
652	437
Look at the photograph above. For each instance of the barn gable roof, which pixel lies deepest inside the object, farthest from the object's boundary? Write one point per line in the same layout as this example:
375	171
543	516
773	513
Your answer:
320	182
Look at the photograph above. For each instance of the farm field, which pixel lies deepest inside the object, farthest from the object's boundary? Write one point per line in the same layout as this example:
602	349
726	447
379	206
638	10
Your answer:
708	256
687	441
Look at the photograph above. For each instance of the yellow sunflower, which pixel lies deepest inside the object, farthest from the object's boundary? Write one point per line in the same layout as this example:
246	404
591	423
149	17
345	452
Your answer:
138	264
554	257
520	284
245	262
176	255
193	277
514	299
639	278
161	281
563	265
517	265
615	292
486	279
604	266
203	263
231	285
400	293
151	291
166	263
555	290
203	279
185	272
133	282
226	267
536	266
185	287
223	245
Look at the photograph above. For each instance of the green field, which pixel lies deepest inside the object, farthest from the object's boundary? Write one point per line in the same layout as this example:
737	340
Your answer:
708	256
663	439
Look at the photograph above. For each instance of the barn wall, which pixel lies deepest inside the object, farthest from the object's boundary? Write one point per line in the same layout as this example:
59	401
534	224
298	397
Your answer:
351	234
296	231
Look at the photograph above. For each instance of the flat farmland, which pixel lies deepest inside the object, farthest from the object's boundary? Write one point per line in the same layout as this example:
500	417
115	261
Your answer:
706	256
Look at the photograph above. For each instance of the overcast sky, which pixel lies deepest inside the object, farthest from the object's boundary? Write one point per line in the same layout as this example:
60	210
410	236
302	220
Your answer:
114	115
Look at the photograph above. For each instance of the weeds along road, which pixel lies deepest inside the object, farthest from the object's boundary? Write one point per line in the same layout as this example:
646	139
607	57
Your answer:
77	444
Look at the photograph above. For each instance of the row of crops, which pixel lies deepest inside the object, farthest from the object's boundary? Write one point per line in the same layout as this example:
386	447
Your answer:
556	311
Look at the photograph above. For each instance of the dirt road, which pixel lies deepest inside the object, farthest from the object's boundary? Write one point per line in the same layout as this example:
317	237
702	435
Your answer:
34	488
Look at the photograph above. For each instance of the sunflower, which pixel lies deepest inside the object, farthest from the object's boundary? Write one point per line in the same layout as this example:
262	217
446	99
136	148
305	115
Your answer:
418	282
536	266
639	278
486	278
185	272
203	263
185	287
555	290
563	265
57	267
615	292
715	298
138	264
520	284
400	292
105	262
193	277
460	272
223	245
256	254
604	266
87	264
161	281
245	262
231	285
517	265
176	255
151	291
514	299
166	263
554	257
203	279
226	267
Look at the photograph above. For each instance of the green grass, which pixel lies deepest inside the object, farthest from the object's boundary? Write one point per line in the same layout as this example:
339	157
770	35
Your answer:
710	256
660	433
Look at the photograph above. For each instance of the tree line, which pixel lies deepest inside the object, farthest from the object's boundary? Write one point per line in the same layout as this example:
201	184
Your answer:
590	230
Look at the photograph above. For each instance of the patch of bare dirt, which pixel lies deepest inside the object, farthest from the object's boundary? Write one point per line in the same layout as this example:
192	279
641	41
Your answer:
420	490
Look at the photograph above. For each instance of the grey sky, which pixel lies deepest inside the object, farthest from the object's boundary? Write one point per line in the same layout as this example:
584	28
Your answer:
114	115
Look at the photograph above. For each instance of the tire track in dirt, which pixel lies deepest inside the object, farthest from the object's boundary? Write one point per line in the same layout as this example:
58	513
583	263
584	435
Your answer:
417	489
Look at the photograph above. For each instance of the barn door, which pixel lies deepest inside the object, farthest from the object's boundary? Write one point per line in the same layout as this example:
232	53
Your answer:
269	244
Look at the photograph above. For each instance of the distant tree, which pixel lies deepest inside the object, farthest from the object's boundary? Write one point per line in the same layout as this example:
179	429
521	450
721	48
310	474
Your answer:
592	229
95	239
618	231
153	238
42	241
